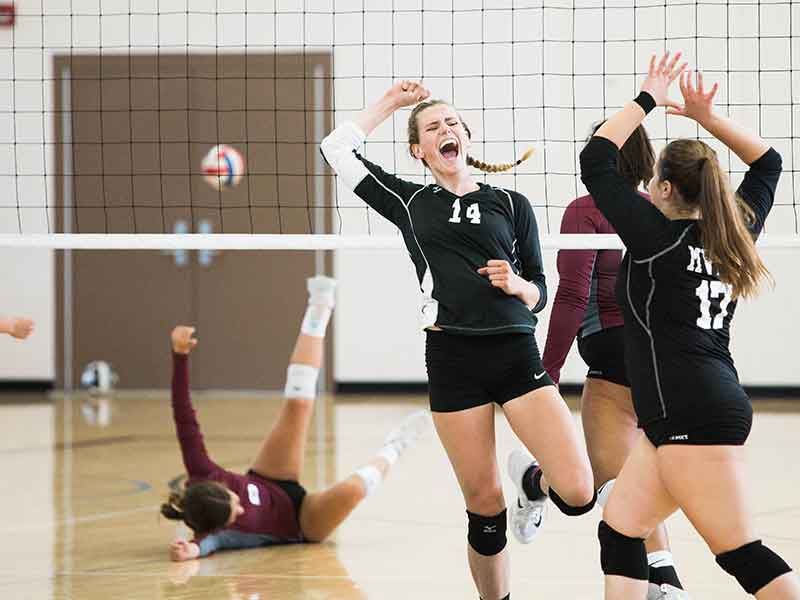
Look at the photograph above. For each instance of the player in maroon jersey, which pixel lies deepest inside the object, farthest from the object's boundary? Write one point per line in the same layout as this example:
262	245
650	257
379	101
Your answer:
267	505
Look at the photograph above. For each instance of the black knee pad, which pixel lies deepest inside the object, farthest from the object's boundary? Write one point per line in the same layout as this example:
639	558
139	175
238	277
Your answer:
622	555
487	535
571	511
753	565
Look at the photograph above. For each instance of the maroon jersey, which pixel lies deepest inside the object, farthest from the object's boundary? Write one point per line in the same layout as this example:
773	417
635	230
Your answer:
268	510
585	302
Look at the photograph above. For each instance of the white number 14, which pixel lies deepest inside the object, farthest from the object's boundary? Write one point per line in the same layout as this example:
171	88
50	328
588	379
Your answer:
473	213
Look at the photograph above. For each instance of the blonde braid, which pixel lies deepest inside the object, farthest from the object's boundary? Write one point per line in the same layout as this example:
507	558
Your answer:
498	168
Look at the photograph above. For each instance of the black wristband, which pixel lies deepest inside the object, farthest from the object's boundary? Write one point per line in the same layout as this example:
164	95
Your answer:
646	101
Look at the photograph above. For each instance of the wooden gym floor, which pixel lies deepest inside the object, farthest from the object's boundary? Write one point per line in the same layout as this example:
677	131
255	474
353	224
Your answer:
82	483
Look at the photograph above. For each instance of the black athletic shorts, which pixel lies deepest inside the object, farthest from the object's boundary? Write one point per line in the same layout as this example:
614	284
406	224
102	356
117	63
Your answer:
604	353
465	371
727	425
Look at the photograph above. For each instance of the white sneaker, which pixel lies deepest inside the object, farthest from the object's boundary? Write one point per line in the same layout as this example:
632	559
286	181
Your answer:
321	291
410	429
526	515
666	592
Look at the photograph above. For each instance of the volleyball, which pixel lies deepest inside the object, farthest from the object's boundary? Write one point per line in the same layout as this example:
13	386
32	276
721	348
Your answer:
223	166
99	377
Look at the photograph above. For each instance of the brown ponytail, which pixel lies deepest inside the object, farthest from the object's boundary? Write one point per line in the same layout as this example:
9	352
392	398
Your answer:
693	168
171	509
413	138
203	506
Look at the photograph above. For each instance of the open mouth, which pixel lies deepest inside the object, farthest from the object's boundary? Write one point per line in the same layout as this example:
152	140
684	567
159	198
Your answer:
449	149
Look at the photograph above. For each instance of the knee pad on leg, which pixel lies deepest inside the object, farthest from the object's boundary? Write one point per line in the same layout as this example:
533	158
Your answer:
571	511
487	535
301	382
753	565
622	555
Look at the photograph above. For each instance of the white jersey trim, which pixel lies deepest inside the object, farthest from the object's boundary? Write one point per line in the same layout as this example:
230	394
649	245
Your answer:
338	148
429	307
499	328
646	327
646	322
666	250
653	339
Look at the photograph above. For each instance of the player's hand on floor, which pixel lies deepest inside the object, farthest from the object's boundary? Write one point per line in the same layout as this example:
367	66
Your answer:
182	340
181	550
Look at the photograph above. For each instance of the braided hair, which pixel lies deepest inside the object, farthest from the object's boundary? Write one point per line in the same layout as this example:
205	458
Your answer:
498	167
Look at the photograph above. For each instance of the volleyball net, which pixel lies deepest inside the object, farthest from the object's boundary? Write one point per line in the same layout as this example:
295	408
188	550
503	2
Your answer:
128	124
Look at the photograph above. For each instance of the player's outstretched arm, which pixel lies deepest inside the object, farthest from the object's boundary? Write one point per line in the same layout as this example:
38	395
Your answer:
182	340
698	105
659	78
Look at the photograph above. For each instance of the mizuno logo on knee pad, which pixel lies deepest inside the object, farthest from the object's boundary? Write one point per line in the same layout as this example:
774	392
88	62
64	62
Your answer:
487	535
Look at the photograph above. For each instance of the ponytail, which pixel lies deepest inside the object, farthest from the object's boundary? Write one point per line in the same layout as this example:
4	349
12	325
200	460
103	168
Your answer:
726	239
498	168
692	167
171	509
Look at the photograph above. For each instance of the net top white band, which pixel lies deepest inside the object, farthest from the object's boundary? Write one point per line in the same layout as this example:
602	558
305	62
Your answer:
231	241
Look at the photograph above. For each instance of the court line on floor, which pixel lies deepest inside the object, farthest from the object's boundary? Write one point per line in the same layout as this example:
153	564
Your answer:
403	577
74	520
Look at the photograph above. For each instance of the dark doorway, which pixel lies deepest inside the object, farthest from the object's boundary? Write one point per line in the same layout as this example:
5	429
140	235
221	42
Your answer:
132	132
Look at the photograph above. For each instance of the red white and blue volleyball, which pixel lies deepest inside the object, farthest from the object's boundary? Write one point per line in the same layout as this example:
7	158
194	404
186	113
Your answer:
223	166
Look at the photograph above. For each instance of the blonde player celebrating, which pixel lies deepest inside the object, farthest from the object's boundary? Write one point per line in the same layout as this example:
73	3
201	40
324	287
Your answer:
690	256
267	505
17	327
476	252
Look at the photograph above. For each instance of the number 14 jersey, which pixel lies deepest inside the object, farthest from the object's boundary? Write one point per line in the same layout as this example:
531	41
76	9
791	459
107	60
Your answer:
449	238
677	312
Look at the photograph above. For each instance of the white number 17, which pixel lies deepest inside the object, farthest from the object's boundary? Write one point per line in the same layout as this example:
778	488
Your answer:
707	292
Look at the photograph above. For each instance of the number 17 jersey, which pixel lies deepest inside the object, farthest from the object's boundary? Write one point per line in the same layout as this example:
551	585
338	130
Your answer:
677	312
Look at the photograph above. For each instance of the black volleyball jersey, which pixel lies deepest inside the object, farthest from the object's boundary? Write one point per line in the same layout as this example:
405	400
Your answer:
677	312
449	238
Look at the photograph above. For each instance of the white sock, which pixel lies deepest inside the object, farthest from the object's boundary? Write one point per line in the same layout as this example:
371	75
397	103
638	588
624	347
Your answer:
660	558
315	321
389	453
371	476
604	492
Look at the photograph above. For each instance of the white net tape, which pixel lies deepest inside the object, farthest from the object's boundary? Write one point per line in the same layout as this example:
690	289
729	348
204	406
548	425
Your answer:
296	242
